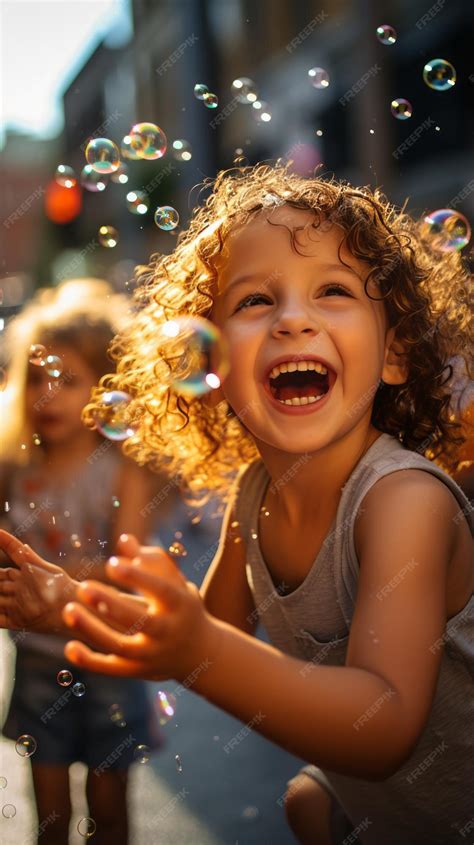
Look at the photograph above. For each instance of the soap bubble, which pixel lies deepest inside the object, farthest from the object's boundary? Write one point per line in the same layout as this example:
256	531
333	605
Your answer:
86	827
53	365
200	91
166	218
117	716
78	689
126	149
3	783
448	230
75	541
177	549
115	502
386	34
93	181
244	90
148	140
141	754
166	706
179	765
103	155
120	176
319	77
182	150
401	109
25	745
439	75
197	353
9	811
108	236
137	202
65	176
37	354
262	112
112	416
210	100
64	678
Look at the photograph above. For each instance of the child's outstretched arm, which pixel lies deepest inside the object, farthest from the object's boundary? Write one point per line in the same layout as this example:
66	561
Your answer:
363	719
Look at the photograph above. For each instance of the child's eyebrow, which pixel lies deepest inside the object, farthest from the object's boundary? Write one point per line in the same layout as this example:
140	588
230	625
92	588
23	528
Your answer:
269	277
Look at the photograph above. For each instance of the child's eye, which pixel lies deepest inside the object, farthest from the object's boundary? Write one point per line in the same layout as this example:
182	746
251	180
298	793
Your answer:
252	299
338	288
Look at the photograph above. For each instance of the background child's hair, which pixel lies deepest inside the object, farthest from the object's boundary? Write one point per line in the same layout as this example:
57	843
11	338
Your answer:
425	294
83	314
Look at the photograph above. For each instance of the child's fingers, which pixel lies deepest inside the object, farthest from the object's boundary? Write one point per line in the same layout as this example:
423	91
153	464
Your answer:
153	556
138	577
20	553
8	582
128	545
108	664
130	612
93	630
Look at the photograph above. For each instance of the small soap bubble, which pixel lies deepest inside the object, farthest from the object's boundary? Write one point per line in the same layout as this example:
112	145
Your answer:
86	827
210	100
141	754
166	706
32	506
254	535
448	230
261	111
53	366
64	678
148	141
200	91
108	236
179	766
319	132
115	502
103	155
120	176
92	180
401	109
25	745
75	541
318	77
36	440
8	811
112	415
78	689
117	715
37	354
244	90
166	218
178	535
65	176
182	150
197	355
439	75
126	149
386	34
250	813
137	202
177	549
3	783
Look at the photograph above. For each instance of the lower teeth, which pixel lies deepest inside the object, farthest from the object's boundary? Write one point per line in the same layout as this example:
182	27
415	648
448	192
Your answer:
302	400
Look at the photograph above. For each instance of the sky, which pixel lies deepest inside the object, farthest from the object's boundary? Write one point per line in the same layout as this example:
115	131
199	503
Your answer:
43	43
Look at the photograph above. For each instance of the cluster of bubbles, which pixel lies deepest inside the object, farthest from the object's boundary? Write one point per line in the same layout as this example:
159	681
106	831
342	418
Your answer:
201	92
197	353
448	230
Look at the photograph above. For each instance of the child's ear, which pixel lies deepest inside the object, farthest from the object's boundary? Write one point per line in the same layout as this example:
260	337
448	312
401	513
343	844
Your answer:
395	368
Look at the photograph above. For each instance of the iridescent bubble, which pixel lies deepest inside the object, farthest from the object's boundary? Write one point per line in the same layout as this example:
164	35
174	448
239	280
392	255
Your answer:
318	77
112	415
244	90
53	365
78	689
262	112
141	754
166	706
117	716
86	827
210	100
25	745
448	230
37	354
126	149
65	176
64	678
137	202
9	811
93	181
386	34
401	109
166	218
177	549
200	91
148	140
3	783
120	176
197	355
103	155
439	75
108	236
182	150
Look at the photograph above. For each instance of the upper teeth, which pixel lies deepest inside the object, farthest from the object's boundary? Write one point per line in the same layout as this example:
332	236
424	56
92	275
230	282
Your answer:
302	366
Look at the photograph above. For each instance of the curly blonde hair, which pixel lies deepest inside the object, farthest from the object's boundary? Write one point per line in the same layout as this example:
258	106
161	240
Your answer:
426	298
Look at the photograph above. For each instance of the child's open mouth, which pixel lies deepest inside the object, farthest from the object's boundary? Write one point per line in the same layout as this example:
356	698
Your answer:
302	382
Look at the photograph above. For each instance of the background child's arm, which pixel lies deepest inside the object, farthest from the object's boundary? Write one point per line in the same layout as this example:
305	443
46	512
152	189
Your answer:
363	719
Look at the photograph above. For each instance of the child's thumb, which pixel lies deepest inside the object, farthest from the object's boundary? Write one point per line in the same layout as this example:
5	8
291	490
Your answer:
128	545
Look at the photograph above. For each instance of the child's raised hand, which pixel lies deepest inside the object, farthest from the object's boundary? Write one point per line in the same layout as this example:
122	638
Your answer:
168	639
33	594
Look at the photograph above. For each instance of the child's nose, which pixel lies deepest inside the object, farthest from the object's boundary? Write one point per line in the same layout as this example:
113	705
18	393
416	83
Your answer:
294	320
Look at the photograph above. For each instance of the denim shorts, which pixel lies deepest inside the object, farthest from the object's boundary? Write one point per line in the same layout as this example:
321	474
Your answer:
69	728
340	826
